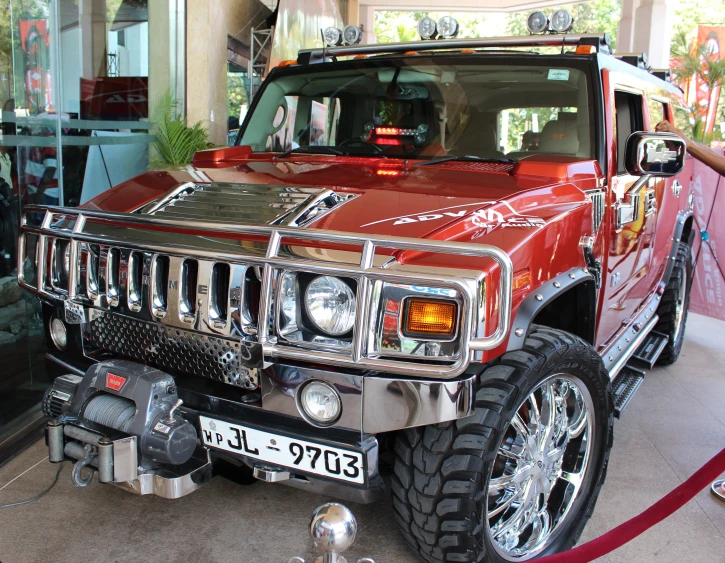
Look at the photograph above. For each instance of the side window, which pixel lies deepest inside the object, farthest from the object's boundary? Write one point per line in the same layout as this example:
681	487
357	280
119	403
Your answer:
682	121
657	112
629	119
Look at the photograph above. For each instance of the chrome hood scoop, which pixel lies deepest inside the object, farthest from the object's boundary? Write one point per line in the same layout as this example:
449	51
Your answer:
249	204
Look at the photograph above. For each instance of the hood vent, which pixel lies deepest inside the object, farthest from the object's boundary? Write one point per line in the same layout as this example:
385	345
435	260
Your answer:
249	204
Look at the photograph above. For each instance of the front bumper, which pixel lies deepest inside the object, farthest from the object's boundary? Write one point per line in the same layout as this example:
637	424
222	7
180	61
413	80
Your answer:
370	405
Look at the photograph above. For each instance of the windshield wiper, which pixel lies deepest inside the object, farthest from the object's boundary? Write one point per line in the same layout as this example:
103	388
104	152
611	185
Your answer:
465	158
307	150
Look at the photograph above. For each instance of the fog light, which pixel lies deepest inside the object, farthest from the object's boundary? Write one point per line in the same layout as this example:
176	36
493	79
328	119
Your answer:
319	402
352	35
562	21
427	28
332	36
58	333
537	22
447	27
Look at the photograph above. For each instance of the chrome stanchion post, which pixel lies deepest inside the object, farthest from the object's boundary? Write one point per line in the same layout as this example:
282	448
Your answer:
718	489
332	529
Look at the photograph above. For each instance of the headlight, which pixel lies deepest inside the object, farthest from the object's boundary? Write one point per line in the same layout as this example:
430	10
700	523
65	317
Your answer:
319	402
330	304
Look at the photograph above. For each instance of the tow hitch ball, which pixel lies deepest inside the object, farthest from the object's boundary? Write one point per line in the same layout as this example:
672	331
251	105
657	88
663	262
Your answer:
332	529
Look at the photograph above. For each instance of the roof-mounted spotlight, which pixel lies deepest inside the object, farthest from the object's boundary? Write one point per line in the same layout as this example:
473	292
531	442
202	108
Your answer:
332	36
447	27
561	21
427	28
537	22
351	35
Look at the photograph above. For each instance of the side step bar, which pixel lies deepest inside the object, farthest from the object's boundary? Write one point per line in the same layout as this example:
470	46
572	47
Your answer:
624	386
650	350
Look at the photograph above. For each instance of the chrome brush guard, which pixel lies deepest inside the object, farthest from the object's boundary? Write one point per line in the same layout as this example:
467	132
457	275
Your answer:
115	240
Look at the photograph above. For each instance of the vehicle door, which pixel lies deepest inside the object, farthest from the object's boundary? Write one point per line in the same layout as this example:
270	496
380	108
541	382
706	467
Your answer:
668	194
626	282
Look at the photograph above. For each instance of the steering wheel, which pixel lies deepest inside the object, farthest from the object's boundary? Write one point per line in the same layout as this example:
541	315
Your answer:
359	142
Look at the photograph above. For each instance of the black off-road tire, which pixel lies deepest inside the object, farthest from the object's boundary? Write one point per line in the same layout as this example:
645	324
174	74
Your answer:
441	471
667	310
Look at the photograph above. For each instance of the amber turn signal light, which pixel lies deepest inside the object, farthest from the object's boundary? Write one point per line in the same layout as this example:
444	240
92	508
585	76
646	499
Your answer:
431	318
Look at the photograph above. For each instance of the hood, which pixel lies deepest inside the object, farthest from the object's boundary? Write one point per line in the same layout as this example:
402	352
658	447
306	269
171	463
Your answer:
455	200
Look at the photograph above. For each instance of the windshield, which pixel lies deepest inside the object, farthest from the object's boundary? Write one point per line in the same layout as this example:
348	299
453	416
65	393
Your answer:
423	108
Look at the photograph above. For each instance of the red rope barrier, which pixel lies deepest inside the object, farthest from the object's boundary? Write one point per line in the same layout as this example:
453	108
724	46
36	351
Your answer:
632	528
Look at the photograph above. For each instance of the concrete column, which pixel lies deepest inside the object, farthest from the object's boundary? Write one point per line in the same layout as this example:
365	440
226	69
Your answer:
352	14
92	20
160	55
367	19
209	23
625	31
653	32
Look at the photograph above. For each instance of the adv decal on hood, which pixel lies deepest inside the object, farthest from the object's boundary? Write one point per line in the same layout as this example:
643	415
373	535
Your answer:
486	220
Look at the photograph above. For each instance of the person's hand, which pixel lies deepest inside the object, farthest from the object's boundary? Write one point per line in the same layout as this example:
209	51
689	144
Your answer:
667	127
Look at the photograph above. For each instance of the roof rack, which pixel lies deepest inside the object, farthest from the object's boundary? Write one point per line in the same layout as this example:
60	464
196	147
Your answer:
318	55
638	60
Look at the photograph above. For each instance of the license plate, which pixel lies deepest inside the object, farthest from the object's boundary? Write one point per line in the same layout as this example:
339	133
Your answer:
310	457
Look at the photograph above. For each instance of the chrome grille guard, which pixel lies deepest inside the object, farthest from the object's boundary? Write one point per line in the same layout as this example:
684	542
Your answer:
72	225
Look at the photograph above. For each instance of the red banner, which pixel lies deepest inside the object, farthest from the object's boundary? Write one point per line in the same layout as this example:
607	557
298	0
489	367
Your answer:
35	41
708	290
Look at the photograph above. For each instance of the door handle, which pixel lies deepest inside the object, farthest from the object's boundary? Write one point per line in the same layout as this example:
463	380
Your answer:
676	187
627	208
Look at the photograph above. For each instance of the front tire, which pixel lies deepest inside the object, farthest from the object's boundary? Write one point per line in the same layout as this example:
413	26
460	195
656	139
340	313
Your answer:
474	490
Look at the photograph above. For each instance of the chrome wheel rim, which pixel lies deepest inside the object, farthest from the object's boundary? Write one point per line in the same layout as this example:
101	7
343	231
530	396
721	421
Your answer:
539	469
680	309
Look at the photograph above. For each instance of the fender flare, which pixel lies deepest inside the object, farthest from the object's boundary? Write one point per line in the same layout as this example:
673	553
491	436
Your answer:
540	298
682	218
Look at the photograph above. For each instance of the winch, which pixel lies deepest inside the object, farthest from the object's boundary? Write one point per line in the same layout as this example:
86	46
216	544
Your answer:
122	419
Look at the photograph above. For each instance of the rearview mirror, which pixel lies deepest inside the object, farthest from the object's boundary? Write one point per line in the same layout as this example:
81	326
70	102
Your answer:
654	154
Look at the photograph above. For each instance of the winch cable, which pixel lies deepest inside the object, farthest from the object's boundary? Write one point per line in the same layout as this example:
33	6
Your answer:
41	495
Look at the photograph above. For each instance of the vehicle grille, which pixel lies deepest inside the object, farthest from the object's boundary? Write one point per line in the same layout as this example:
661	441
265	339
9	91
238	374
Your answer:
173	349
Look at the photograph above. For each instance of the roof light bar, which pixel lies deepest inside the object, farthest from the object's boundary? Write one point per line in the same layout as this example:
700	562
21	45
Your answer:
319	55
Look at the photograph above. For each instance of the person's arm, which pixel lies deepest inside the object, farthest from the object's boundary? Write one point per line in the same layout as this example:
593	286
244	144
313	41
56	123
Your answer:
702	153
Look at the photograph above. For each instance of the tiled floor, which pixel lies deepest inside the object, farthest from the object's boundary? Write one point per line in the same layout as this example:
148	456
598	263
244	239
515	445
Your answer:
675	423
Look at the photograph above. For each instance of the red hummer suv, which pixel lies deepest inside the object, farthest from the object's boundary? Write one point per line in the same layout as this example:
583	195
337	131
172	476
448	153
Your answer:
435	267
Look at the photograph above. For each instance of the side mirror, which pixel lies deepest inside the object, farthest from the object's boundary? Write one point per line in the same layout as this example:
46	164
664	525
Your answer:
654	154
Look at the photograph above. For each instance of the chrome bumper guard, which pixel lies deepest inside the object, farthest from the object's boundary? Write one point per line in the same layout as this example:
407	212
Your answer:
73	225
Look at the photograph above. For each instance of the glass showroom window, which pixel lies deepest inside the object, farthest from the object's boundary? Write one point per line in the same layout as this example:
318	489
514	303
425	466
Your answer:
78	80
